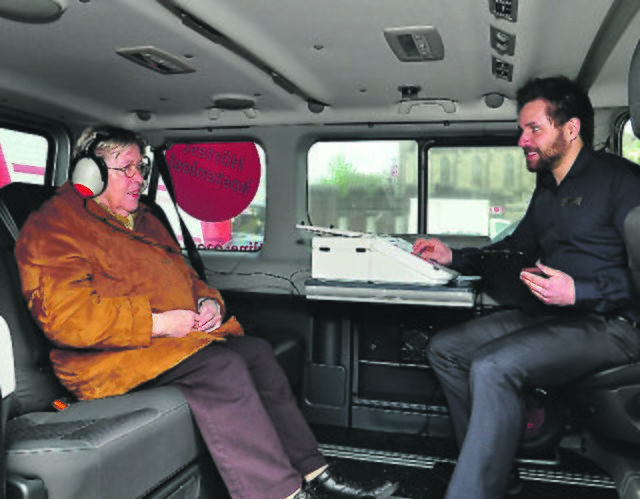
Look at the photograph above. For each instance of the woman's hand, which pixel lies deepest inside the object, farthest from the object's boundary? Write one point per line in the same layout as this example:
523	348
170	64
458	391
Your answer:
208	317
174	323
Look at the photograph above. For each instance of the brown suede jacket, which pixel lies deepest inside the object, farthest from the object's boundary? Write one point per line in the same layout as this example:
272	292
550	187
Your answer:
92	285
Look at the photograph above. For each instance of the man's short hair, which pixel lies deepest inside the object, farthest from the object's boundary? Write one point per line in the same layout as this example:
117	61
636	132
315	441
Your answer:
567	100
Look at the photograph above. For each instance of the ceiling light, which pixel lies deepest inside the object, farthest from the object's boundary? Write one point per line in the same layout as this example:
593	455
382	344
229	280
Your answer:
157	60
493	100
415	43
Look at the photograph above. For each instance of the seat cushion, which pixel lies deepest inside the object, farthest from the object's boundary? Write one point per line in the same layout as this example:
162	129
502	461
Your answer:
119	447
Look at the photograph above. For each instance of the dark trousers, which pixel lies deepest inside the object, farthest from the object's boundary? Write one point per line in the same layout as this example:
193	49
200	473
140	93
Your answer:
483	367
248	417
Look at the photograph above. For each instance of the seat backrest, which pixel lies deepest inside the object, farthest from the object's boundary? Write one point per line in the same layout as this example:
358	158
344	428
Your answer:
632	222
7	371
632	241
634	91
7	386
36	384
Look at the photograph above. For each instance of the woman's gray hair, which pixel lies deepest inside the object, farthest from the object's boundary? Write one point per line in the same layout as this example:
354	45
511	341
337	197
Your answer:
101	140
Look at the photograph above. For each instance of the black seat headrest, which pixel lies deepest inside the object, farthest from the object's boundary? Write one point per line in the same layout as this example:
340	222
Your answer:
22	199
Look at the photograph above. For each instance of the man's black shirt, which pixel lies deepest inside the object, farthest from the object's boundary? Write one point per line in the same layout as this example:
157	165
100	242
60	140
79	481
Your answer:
577	227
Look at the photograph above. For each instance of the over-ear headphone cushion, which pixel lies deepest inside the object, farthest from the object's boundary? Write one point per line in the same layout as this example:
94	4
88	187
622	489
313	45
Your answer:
91	173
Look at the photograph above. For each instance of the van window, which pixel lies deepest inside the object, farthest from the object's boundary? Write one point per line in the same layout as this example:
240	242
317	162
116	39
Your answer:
476	191
630	144
373	186
208	166
23	157
368	186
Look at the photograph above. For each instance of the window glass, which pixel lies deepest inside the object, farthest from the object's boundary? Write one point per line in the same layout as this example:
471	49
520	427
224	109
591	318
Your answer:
630	144
372	186
23	157
368	186
477	191
243	233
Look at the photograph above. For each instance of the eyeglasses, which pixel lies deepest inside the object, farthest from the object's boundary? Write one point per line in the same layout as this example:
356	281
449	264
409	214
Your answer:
143	168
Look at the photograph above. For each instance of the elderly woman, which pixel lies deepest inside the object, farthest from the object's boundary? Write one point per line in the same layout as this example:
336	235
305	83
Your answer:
112	292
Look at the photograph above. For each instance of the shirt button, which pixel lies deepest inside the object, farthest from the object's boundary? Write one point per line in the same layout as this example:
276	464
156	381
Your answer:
167	261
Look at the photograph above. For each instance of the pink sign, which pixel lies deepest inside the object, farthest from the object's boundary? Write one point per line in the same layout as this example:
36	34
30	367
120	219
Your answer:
214	182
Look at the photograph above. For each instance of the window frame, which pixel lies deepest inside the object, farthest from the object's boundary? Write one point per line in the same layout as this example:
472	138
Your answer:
470	141
424	143
50	138
618	133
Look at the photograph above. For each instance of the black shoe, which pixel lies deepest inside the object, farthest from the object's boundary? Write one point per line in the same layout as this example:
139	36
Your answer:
326	483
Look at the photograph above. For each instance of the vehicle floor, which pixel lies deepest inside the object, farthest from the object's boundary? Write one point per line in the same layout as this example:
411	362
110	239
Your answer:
423	466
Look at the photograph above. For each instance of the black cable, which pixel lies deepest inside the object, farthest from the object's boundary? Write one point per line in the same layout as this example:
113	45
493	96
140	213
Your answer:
268	274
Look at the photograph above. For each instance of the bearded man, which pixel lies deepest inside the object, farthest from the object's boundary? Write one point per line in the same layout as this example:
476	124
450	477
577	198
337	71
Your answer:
573	228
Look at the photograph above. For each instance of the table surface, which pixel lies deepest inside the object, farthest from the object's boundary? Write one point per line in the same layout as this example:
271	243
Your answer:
458	293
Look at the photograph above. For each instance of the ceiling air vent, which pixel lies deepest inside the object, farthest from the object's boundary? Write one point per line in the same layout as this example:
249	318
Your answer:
501	69
504	9
417	43
157	60
502	42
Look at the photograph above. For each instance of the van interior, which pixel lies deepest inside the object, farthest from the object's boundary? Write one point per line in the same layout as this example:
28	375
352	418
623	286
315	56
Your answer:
298	150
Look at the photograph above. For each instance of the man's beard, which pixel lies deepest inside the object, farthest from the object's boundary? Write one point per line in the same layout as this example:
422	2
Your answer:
548	158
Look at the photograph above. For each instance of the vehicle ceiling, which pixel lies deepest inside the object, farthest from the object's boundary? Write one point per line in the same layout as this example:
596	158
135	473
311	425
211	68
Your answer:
333	55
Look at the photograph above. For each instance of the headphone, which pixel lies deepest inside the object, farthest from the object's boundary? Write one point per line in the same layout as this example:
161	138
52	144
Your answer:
89	173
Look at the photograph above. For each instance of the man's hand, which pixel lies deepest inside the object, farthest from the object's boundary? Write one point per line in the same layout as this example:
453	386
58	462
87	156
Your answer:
173	323
433	249
208	317
553	288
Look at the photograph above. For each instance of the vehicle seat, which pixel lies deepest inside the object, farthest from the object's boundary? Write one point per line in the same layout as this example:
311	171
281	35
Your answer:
605	400
142	444
98	448
607	396
7	387
611	393
605	405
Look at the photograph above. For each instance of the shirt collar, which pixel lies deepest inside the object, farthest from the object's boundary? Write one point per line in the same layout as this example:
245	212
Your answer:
578	168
